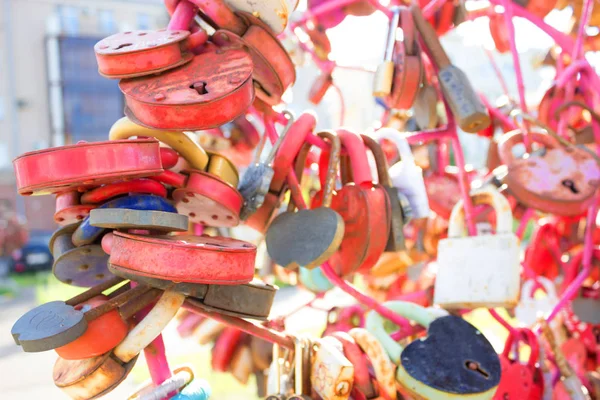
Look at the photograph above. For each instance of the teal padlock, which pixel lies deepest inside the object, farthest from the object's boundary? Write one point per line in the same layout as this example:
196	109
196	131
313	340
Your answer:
454	360
198	389
314	280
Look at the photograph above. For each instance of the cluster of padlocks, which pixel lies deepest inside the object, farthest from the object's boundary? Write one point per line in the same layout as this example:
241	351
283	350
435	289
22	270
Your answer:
144	218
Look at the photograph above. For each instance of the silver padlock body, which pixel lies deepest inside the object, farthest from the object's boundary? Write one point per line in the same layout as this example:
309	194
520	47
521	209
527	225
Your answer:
478	271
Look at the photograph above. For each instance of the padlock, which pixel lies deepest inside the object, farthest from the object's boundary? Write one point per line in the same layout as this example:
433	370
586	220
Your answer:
327	20
309	237
464	362
320	87
153	221
516	381
384	75
466	279
256	181
405	175
302	369
332	374
499	32
352	351
211	198
274	13
534	181
138	53
86	234
189	149
261	352
225	345
75	377
395	242
382	365
198	389
530	308
365	208
314	280
241	364
470	113
83	266
85	165
112	190
343	319
569	380
273	70
425	107
186	98
554	100
215	260
408	71
279	384
95	341
57	323
69	209
181	379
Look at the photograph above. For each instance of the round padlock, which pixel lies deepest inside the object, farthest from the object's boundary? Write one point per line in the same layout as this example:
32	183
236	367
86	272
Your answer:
211	90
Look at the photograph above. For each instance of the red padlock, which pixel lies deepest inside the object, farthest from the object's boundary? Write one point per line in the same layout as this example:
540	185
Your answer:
69	209
85	165
516	381
138	53
215	260
211	90
109	191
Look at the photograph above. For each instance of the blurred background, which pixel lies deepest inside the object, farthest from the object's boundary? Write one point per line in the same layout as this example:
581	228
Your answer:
51	95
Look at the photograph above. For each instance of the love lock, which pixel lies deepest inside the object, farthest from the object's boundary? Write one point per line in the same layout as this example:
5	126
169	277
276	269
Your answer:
365	209
112	190
360	361
517	379
406	176
534	181
332	374
186	98
224	348
86	233
138	53
78	266
398	216
470	113
210	198
258	177
69	209
123	219
397	80
84	165
95	342
314	280
531	308
470	258
466	364
93	377
273	70
274	13
308	238
382	365
214	260
180	382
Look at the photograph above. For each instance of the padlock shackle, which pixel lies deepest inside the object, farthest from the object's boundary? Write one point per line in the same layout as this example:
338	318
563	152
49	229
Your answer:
150	327
529	287
529	337
398	140
411	311
328	184
189	149
512	138
354	146
383	176
486	195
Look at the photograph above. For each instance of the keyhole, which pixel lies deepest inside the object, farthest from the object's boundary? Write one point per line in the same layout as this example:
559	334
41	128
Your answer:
199	87
122	46
474	366
569	184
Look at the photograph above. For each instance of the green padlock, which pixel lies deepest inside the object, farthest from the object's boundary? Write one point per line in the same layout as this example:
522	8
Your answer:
454	360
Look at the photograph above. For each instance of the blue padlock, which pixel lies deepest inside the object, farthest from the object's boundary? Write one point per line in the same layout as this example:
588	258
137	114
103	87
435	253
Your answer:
314	280
87	234
198	389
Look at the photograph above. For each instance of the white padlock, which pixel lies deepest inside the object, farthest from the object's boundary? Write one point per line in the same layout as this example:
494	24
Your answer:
530	308
406	176
483	270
